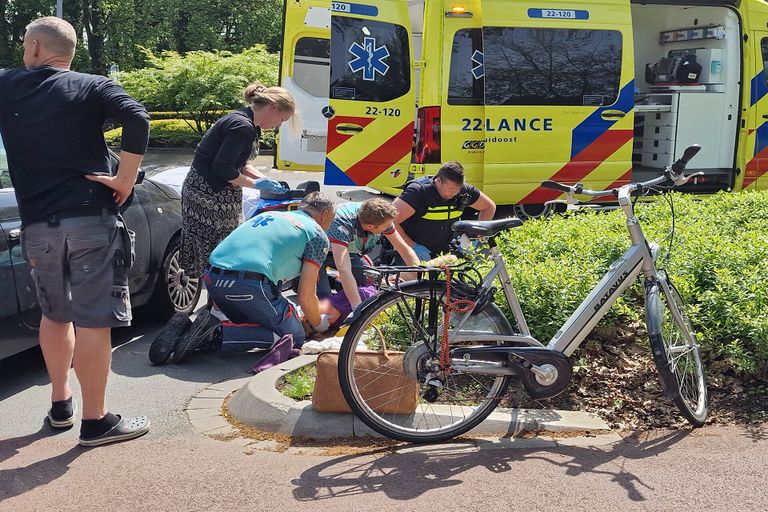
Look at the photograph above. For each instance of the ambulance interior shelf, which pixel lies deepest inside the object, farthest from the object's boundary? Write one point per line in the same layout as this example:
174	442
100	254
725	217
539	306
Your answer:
668	122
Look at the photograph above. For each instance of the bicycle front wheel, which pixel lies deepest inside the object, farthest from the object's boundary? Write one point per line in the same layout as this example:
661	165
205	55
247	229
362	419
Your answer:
445	406
675	351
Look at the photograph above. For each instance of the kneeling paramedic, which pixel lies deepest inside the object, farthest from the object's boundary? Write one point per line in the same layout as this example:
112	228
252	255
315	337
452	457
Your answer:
246	271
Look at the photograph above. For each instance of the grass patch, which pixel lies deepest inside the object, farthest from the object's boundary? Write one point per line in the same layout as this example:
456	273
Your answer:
299	383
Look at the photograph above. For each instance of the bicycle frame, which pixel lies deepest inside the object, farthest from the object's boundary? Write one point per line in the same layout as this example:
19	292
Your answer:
640	257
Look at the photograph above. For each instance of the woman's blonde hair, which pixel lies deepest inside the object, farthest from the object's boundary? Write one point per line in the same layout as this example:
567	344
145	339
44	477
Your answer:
257	95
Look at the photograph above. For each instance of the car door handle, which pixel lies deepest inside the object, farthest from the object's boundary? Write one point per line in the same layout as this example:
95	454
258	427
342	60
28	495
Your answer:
348	128
765	116
612	114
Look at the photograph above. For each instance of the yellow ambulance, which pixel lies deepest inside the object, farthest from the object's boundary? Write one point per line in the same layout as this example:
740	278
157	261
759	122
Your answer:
599	92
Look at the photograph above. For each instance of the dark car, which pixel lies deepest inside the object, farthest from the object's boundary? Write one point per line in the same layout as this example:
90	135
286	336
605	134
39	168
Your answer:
156	278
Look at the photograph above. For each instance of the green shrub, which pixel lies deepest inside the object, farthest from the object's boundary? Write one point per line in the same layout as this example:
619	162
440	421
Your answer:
182	115
163	133
177	133
719	263
199	84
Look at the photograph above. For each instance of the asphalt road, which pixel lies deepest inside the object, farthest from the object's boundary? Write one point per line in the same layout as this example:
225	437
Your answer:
174	468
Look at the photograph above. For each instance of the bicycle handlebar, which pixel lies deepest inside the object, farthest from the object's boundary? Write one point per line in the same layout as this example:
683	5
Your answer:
673	173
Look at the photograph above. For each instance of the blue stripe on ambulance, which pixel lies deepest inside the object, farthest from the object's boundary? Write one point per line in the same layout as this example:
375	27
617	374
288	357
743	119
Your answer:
761	138
758	88
335	176
594	126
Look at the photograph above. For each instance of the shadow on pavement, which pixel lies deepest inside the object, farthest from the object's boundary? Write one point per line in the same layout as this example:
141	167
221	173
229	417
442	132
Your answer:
756	431
17	481
405	476
22	371
130	358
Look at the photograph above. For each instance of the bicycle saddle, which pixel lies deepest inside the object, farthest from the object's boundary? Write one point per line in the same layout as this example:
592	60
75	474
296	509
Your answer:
485	227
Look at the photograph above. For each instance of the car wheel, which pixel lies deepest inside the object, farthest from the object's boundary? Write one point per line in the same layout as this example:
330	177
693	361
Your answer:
175	291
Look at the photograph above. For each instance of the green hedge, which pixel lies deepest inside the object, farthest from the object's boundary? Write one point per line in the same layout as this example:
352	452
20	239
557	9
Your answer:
719	263
177	133
181	115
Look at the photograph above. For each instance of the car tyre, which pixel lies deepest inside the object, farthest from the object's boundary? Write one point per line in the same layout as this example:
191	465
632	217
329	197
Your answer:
175	292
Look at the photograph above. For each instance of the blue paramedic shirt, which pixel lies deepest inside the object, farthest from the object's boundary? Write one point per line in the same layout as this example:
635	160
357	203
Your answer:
275	244
347	231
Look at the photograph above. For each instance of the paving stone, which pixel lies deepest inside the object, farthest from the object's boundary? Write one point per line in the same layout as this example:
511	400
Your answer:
194	414
212	393
204	403
204	425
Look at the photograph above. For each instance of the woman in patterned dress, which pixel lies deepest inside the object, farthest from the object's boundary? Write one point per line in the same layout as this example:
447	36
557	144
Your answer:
211	197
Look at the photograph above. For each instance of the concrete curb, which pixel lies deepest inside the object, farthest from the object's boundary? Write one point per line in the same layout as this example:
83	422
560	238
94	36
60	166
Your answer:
257	402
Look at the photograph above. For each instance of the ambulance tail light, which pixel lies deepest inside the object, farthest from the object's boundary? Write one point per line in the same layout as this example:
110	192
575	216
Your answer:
428	136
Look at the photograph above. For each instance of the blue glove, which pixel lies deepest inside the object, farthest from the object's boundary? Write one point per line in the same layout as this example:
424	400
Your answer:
422	252
268	185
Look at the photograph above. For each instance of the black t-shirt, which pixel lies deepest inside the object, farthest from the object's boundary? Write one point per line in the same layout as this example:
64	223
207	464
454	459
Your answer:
51	122
226	147
431	223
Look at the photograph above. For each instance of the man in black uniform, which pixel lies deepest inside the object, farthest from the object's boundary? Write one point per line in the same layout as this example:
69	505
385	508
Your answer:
429	206
51	122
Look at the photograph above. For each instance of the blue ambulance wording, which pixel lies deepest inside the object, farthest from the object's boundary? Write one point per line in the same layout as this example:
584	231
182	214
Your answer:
361	9
559	14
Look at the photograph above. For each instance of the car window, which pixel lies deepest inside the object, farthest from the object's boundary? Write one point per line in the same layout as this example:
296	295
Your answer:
370	60
466	83
5	177
310	65
551	66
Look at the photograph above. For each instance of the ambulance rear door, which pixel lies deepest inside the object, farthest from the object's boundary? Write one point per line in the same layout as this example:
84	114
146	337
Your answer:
372	95
559	96
304	66
756	169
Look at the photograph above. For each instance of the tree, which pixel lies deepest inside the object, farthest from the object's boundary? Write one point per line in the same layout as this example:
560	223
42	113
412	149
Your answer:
111	31
15	15
199	84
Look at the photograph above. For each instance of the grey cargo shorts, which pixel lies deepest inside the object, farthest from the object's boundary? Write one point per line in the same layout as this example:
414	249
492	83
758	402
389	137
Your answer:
80	267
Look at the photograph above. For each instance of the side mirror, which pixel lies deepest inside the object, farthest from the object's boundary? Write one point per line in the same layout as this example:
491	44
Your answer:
140	176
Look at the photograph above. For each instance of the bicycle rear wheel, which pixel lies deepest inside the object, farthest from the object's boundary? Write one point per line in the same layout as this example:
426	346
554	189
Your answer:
462	400
675	351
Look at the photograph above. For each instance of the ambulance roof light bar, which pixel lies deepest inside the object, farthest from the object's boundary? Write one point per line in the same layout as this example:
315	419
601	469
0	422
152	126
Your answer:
458	11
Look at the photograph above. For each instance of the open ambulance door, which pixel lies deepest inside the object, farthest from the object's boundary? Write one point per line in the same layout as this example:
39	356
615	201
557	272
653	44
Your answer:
756	169
559	96
372	95
304	66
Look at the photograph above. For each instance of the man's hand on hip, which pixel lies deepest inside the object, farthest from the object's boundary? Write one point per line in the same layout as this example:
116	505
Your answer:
121	187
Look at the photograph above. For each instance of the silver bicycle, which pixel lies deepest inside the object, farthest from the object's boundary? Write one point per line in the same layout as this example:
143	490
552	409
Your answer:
445	340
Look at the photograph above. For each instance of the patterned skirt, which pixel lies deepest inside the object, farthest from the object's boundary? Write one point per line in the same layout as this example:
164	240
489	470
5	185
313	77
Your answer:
207	218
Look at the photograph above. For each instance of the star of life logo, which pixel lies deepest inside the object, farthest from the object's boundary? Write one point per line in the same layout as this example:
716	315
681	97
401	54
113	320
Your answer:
369	59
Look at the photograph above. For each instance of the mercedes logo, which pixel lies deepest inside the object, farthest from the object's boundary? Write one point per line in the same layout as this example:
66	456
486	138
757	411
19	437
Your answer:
328	112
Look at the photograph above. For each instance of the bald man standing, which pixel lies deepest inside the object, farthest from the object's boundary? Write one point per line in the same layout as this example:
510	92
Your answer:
73	237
